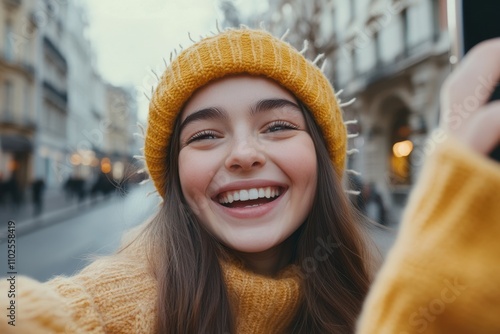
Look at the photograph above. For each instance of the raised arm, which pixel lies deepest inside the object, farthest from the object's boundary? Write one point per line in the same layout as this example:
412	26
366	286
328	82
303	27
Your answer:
443	275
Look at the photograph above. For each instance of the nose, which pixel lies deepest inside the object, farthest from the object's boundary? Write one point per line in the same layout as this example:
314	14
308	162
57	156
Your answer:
245	154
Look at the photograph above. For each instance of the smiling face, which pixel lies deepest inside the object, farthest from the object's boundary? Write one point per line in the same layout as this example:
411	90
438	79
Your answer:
247	164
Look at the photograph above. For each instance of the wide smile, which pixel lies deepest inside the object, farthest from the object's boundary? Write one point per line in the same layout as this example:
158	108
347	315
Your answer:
249	197
249	202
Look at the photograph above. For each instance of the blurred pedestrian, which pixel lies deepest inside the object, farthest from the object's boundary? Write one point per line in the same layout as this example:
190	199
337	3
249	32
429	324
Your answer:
38	188
373	204
103	185
69	188
3	189
12	188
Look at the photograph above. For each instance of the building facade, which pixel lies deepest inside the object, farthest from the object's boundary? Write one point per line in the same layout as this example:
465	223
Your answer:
393	56
52	93
120	142
86	104
18	123
56	118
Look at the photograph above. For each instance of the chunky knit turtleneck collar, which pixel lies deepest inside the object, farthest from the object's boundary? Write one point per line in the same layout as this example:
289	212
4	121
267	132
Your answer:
262	304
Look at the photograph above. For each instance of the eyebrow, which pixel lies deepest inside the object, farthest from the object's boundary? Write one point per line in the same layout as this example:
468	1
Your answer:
203	114
218	113
269	104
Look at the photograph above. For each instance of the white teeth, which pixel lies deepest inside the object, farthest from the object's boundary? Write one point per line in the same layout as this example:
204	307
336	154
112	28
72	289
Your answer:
249	194
244	195
253	193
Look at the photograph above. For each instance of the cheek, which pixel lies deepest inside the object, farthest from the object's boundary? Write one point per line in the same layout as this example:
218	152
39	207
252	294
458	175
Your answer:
299	161
194	176
199	172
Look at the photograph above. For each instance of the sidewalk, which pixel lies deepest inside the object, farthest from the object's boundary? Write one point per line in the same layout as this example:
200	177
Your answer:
56	207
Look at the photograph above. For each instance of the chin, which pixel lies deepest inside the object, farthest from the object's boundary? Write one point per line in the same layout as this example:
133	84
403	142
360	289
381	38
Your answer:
252	244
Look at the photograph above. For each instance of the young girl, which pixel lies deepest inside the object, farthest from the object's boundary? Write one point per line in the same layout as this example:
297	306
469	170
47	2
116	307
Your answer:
246	146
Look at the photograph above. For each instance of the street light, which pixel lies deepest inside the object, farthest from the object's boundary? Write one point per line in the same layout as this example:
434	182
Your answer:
402	148
105	165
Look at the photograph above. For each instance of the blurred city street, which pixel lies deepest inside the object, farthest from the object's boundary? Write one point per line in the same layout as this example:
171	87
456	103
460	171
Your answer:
60	242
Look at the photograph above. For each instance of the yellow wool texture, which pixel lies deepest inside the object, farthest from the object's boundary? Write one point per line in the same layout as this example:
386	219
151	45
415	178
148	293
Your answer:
239	51
118	294
262	304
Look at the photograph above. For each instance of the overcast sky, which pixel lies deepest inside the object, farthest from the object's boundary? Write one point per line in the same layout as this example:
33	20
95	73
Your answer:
132	37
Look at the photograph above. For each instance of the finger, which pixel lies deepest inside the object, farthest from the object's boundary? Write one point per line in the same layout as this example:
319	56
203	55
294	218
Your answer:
471	84
483	132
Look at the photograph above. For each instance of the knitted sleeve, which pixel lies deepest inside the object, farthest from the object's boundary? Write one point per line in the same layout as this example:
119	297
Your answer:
112	295
443	274
36	308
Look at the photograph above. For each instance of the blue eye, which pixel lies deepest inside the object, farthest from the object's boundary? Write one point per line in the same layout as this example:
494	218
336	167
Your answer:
281	126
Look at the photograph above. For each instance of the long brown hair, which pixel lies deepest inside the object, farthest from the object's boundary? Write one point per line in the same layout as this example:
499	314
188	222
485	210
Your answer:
335	286
192	296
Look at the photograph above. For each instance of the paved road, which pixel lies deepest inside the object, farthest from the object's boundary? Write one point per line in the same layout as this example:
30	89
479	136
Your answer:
65	247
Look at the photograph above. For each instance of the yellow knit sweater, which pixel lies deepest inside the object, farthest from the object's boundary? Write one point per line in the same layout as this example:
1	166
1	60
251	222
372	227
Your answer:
118	295
443	273
442	276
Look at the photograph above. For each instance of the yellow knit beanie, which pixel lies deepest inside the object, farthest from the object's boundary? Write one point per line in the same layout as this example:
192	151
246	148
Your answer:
238	51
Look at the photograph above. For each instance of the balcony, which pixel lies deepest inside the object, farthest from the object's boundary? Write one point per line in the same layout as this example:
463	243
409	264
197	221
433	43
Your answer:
29	69
24	68
53	51
15	142
400	65
58	98
9	118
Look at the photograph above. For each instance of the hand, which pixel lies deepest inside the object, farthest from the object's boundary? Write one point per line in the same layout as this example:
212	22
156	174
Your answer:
465	112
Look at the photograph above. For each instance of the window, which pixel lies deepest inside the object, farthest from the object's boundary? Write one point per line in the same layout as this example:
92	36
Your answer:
378	57
352	10
8	93
420	23
27	114
439	17
365	57
345	65
391	41
9	42
404	19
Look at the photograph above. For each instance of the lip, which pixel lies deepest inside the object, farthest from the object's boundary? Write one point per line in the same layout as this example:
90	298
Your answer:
249	212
